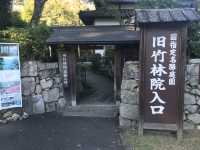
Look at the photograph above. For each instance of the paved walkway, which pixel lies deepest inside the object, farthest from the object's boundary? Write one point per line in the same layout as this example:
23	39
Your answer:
53	132
103	88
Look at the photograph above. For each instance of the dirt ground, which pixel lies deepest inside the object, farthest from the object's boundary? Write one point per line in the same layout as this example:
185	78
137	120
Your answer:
162	141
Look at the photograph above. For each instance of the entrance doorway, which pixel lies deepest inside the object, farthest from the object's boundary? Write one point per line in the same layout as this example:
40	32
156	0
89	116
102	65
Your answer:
98	97
95	76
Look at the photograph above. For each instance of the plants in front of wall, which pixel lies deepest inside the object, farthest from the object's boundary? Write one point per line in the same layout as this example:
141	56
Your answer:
32	41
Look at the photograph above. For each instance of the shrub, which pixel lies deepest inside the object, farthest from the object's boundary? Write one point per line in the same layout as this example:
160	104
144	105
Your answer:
194	40
16	20
5	13
32	41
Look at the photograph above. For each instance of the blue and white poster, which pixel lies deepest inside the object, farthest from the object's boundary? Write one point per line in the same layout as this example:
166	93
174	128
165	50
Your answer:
10	77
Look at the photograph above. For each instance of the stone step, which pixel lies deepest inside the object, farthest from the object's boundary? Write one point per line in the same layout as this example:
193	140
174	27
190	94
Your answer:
103	111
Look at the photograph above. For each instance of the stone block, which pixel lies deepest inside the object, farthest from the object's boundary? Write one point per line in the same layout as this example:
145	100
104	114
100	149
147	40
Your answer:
57	80
50	107
129	111
48	73
28	104
189	99
124	123
15	117
7	114
188	88
188	125
46	84
25	115
198	100
39	108
129	97
195	118
130	85
131	70
195	91
61	104
193	69
37	80
192	108
28	86
37	98
198	127
61	93
51	96
29	69
47	66
194	61
194	81
38	89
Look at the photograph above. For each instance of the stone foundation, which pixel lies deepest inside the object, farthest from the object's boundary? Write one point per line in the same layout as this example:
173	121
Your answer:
129	108
130	95
192	95
42	88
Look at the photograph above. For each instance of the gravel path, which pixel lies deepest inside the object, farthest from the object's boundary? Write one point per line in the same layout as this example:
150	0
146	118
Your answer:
103	88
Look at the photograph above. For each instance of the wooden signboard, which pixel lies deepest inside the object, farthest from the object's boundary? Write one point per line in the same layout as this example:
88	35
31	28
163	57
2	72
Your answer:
67	67
162	77
63	67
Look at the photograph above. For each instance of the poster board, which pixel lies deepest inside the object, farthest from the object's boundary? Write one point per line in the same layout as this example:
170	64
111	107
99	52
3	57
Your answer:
162	77
10	76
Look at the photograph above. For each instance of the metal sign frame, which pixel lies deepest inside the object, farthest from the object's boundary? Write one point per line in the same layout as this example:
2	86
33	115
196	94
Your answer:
16	103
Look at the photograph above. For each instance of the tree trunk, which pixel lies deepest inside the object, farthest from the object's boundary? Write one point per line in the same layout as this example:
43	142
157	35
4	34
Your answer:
37	12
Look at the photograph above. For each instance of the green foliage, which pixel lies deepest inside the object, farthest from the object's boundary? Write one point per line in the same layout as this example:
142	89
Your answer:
32	41
96	62
27	10
5	13
16	20
194	40
56	12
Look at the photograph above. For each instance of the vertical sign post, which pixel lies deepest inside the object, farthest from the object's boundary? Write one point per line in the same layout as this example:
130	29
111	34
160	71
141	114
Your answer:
162	77
10	78
63	67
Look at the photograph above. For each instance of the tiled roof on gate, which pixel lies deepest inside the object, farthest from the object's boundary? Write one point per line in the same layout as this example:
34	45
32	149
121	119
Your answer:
166	15
94	35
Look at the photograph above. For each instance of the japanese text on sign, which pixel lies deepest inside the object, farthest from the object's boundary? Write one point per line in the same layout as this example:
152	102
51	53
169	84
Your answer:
65	69
159	70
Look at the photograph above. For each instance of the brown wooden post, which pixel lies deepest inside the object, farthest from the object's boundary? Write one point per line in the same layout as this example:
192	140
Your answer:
183	61
141	94
72	75
117	74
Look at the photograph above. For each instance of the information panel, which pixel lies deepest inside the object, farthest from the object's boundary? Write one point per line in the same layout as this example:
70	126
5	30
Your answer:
10	77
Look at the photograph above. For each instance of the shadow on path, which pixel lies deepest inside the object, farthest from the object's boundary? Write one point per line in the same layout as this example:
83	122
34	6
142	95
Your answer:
53	132
103	88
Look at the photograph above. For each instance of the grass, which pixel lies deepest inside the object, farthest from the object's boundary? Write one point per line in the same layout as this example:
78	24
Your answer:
162	141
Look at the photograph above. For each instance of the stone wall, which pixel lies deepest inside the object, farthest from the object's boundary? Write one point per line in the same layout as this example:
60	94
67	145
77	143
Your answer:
192	95
42	88
130	95
129	108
